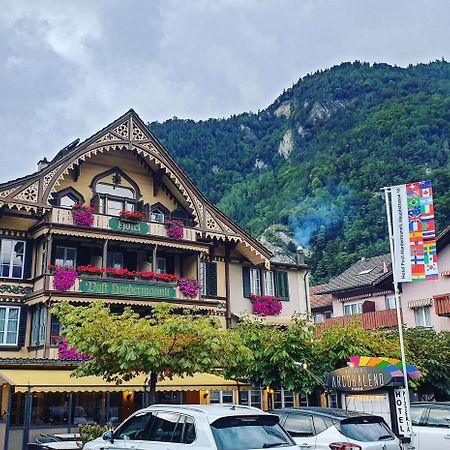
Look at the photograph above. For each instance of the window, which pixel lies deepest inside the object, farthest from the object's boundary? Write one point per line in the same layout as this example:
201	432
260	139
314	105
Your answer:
157	216
299	425
255	281
282	285
167	427
67	201
365	272
12	256
439	417
114	199
423	316
55	329
288	398
352	308
319	318
114	260
44	257
38	325
203	277
189	431
269	284
215	397
255	398
222	397
416	414
390	302
134	427
65	256
161	265
9	325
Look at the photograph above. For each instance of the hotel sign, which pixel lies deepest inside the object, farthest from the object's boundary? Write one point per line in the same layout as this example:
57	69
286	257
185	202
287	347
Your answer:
126	289
358	379
116	224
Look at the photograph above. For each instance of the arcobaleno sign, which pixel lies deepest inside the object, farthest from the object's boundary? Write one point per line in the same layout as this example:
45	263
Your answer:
126	289
358	379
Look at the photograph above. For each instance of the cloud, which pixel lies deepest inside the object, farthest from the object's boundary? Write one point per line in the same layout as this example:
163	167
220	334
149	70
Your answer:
69	68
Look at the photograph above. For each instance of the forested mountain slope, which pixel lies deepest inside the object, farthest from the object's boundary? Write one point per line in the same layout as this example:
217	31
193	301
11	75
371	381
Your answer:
316	158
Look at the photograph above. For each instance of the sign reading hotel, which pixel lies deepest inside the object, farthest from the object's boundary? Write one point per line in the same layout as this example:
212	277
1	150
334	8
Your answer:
402	412
128	227
357	379
414	232
126	289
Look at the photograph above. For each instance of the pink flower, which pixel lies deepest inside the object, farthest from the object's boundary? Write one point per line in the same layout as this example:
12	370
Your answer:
64	352
64	278
189	288
175	229
266	305
82	217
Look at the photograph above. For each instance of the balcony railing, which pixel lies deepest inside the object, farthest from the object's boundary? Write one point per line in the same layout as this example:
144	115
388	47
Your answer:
369	320
64	216
105	287
442	305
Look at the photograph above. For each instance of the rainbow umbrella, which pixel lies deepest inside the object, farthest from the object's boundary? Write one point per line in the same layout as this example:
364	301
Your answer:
392	365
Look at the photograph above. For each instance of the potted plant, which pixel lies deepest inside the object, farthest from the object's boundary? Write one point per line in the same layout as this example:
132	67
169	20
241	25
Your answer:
82	215
131	216
175	229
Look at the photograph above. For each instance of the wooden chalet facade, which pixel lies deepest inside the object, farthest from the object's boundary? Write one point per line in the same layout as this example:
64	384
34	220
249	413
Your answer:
121	167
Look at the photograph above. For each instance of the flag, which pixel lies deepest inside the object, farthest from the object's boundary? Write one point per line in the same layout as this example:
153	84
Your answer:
385	267
414	232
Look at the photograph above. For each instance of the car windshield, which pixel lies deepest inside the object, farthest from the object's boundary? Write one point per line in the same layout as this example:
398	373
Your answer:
366	429
249	432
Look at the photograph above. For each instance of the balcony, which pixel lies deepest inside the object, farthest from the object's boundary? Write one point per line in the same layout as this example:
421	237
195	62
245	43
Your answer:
369	320
63	216
442	305
107	288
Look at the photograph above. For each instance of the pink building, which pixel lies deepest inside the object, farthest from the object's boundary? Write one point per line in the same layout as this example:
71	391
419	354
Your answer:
365	290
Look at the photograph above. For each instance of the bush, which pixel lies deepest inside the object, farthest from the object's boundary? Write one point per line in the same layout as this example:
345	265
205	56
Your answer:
89	432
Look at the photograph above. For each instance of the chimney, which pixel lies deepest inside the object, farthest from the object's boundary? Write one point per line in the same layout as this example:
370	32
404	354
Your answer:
42	164
300	255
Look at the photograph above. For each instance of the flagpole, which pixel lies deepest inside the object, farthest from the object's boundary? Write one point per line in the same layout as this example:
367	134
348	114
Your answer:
387	191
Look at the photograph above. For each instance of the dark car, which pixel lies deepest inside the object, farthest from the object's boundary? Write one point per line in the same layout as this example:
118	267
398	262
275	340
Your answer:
317	428
431	425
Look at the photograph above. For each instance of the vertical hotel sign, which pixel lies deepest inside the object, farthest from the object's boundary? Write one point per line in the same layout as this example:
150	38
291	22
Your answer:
414	232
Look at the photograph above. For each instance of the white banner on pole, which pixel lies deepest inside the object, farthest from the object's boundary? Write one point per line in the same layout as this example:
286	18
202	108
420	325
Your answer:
402	412
402	263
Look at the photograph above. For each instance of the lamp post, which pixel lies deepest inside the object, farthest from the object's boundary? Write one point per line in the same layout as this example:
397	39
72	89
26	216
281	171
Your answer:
304	366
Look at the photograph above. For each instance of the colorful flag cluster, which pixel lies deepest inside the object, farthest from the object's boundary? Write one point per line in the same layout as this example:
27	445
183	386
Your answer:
394	366
414	232
422	231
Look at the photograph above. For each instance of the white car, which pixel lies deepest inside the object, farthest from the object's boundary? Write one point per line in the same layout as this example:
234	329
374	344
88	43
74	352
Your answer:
336	429
431	426
203	427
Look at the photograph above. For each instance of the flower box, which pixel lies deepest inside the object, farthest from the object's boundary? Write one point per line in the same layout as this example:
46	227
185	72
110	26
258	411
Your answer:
131	216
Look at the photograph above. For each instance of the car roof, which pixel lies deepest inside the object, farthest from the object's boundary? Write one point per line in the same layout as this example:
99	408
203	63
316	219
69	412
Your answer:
213	412
332	413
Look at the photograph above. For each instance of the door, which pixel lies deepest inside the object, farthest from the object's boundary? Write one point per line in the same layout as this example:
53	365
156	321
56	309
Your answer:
300	427
436	432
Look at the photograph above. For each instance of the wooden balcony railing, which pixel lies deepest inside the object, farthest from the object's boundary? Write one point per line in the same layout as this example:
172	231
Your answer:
104	287
442	305
102	221
369	320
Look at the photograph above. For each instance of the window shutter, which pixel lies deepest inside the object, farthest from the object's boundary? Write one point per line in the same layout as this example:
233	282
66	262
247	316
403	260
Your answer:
22	326
246	281
28	259
170	264
147	212
282	286
211	278
95	203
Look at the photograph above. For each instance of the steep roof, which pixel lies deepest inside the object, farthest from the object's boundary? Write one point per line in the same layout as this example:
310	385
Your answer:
319	301
364	273
129	132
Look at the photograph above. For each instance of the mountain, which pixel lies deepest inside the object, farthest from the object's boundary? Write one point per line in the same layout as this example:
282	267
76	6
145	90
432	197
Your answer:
316	159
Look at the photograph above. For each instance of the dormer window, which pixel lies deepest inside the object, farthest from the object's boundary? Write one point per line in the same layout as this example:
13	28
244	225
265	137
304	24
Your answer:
157	216
67	198
114	192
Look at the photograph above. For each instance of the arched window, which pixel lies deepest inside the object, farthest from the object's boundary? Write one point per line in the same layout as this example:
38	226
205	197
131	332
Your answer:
67	198
115	192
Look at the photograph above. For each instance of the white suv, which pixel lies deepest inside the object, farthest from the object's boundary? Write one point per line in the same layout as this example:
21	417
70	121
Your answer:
203	427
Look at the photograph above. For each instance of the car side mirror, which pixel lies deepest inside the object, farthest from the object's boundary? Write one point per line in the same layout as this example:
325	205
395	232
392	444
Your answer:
108	436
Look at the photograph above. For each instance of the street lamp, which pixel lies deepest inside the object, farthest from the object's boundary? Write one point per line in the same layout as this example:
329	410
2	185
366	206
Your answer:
304	366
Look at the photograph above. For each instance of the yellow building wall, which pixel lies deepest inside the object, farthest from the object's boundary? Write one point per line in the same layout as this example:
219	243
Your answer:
125	161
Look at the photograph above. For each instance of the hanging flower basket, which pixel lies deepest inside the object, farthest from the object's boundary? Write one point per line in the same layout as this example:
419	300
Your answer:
175	229
131	216
189	288
64	278
266	305
82	215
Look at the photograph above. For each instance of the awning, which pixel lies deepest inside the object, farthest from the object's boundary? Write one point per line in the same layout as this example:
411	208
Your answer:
56	380
420	303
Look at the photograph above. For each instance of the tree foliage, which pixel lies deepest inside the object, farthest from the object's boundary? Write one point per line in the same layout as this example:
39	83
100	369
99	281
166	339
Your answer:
125	345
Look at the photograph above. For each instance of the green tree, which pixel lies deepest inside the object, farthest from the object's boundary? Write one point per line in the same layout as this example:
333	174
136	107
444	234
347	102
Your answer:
274	350
168	343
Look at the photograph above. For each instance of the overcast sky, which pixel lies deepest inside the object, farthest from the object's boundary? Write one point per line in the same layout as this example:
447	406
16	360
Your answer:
68	68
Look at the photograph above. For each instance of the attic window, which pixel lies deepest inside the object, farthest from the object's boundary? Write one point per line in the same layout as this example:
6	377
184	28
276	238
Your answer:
365	272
